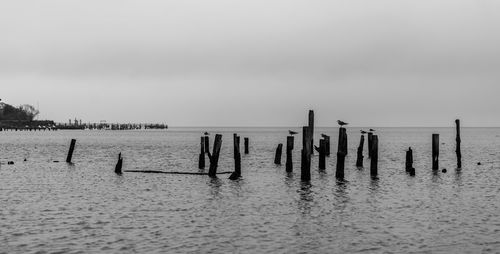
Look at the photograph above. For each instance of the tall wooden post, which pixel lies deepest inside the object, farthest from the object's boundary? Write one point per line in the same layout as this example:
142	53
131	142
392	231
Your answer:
207	144
305	172
119	164
409	160
370	142
237	158
458	150
246	145
339	173
201	160
289	149
311	129
374	159
322	154
435	151
71	149
359	160
214	157
277	157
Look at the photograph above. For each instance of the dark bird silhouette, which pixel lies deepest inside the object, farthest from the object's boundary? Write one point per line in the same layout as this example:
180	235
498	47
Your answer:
324	135
341	123
206	133
316	148
363	132
372	130
292	132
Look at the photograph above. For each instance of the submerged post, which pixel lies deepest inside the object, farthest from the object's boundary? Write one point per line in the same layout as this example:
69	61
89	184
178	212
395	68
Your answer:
277	157
409	160
458	150
289	148
305	170
237	158
207	144
374	160
435	151
370	142
71	149
341	153
322	154
118	167
201	160
246	145
359	160
214	157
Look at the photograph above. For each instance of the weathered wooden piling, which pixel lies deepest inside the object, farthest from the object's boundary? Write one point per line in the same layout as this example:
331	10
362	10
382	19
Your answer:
359	160
311	129
305	169
277	156
435	151
119	164
70	152
207	144
327	145
246	146
409	160
214	157
370	142
289	149
458	151
374	159
237	158
341	153
201	160
322	154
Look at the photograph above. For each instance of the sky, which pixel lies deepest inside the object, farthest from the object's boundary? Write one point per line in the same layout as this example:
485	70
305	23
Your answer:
254	62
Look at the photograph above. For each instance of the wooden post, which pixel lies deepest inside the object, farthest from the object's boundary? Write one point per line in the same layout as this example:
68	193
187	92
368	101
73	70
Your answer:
359	160
339	173
305	170
370	142
374	160
409	160
246	145
207	144
237	158
311	129
458	150
322	154
435	151
214	157
201	161
71	149
277	157
289	148
118	167
327	145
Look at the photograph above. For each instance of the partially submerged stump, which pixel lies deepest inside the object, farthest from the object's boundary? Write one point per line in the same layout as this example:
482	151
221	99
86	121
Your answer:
374	159
458	150
409	160
322	154
237	158
246	146
435	151
359	159
118	167
201	159
70	152
277	156
341	153
214	157
370	142
305	169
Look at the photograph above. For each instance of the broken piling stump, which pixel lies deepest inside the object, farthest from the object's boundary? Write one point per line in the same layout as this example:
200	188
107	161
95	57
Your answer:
201	160
322	154
277	156
118	167
435	151
311	129
70	152
409	160
458	150
289	149
246	146
237	158
305	169
327	145
374	159
370	142
360	157
207	144
214	157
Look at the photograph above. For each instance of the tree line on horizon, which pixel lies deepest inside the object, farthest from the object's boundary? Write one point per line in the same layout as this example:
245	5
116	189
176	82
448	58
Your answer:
24	112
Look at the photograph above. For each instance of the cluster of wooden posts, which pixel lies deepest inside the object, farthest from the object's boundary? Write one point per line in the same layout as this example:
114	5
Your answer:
306	153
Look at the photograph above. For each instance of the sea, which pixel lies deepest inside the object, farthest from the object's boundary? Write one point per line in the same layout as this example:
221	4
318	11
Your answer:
50	206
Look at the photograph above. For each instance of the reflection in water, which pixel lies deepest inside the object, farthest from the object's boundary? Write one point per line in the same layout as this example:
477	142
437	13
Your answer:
215	184
306	198
374	186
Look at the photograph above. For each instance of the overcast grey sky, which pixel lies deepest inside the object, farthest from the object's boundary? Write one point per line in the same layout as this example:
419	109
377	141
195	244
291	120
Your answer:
254	62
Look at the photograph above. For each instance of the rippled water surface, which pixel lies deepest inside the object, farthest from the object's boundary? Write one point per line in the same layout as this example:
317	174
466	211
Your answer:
48	207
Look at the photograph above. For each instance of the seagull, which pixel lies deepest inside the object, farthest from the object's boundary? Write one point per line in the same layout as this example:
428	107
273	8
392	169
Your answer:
206	133
324	135
292	132
341	123
363	132
372	130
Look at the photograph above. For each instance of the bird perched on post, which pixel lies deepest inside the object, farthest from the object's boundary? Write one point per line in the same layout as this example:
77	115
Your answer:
363	132
324	135
372	130
206	133
292	132
341	123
